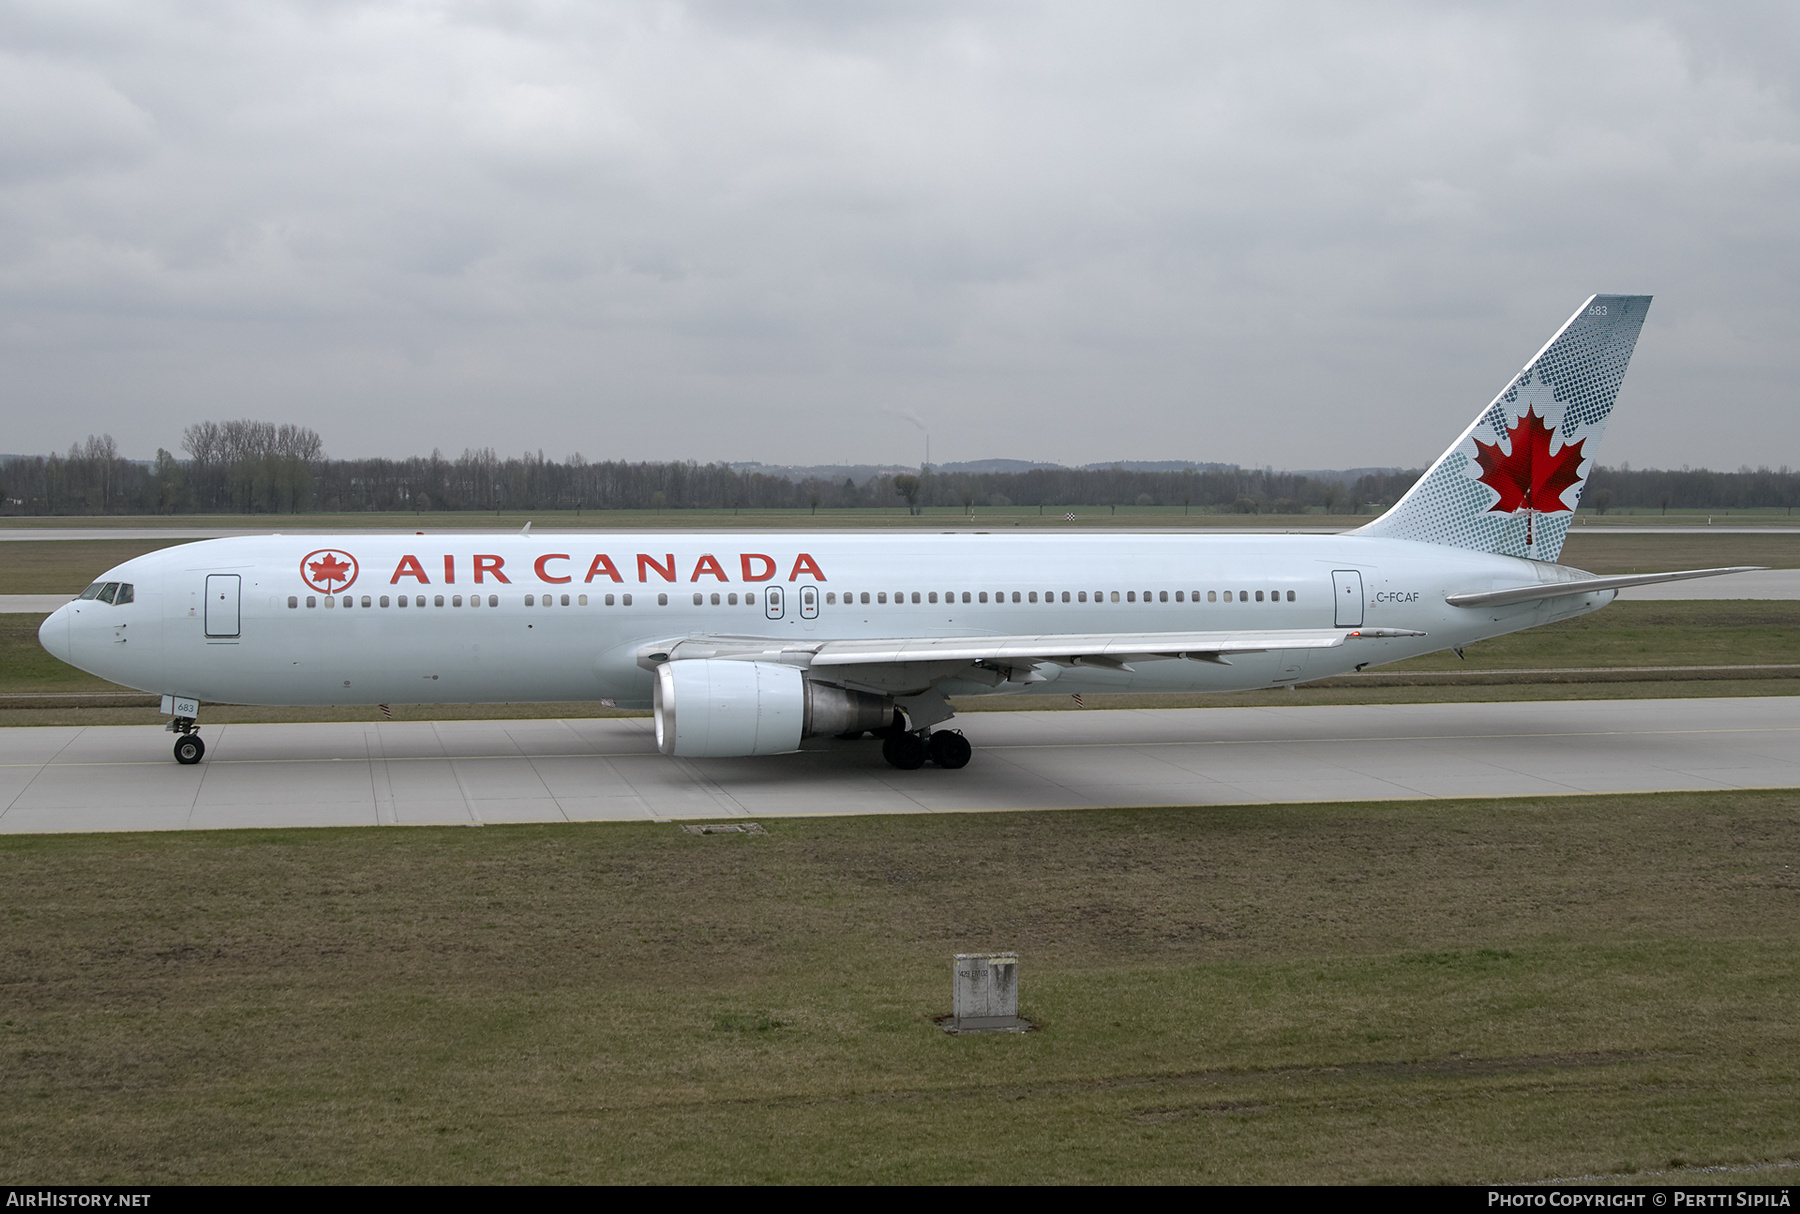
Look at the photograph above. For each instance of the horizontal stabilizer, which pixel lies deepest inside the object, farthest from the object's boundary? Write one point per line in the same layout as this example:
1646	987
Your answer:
1555	590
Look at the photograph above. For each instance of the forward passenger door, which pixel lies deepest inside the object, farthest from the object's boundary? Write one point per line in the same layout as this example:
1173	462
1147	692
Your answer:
222	595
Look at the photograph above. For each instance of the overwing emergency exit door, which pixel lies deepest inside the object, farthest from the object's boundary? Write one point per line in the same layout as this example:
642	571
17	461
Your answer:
1347	585
809	602
772	604
222	591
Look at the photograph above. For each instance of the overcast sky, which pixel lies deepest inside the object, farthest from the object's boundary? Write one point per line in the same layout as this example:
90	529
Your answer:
1297	235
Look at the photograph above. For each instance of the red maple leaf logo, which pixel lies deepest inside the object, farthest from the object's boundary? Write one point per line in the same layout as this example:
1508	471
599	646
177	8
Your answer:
331	570
1531	478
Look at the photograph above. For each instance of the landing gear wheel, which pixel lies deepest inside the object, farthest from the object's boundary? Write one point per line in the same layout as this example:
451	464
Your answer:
904	750
948	749
189	749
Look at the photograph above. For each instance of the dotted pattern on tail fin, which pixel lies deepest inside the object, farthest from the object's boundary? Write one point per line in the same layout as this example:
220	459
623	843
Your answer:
1571	384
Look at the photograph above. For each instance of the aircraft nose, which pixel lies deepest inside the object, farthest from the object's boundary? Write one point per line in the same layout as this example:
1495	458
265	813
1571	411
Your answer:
53	634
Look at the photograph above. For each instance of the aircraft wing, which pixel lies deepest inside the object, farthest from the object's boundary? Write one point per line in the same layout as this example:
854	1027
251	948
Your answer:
1553	590
1111	650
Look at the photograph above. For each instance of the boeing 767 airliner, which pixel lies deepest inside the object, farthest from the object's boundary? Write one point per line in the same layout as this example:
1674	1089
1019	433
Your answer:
746	644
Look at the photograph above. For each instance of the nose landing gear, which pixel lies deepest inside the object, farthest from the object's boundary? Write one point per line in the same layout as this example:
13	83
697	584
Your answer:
189	749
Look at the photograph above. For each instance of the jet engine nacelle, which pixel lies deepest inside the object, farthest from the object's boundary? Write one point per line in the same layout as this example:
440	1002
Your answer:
708	708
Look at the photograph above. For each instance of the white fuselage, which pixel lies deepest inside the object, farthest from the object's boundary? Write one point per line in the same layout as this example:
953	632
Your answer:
543	628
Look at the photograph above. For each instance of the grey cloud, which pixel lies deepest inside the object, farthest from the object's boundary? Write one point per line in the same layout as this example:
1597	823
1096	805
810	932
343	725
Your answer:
1301	235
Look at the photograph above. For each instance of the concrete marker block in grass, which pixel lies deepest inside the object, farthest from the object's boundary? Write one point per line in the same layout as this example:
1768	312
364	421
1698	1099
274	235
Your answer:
985	989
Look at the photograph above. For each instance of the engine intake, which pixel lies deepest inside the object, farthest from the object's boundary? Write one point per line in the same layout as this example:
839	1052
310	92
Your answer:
711	708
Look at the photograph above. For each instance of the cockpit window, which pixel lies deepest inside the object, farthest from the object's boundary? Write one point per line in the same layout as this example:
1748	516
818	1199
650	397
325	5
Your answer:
107	591
93	592
124	596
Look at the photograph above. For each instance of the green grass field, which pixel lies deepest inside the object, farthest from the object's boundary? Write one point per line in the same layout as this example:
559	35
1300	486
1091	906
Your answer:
1455	992
1124	517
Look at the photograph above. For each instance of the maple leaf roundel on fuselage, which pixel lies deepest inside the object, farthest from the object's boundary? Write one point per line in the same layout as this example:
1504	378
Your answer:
1531	477
328	570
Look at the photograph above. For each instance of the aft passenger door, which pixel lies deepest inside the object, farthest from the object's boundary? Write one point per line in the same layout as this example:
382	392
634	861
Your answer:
1347	587
222	597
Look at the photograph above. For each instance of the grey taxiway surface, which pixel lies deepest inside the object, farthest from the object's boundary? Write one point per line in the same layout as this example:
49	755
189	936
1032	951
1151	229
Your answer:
122	777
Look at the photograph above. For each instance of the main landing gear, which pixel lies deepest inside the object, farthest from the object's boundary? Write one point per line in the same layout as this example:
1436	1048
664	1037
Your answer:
909	751
189	749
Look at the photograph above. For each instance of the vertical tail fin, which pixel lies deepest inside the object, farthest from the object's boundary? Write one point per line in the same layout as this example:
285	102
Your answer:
1511	483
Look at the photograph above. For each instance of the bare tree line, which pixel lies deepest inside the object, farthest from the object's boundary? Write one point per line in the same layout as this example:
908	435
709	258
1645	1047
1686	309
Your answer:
253	467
